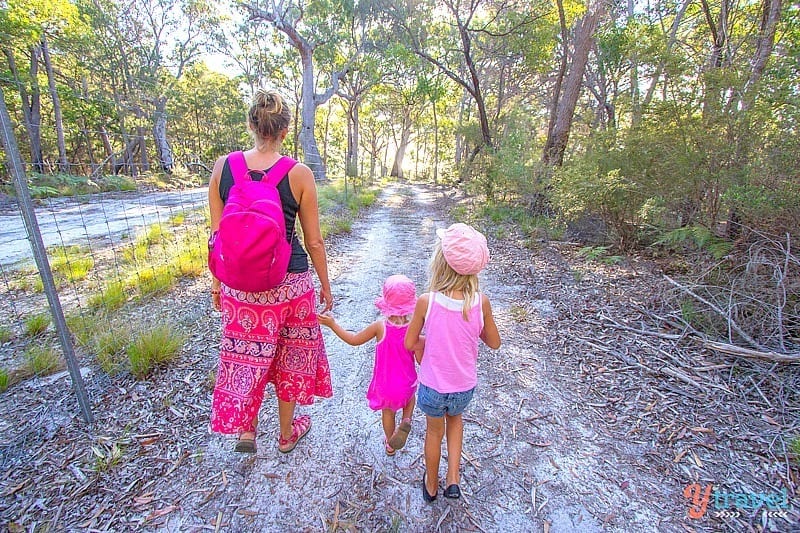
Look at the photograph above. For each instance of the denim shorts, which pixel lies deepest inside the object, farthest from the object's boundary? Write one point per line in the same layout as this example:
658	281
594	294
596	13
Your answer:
437	404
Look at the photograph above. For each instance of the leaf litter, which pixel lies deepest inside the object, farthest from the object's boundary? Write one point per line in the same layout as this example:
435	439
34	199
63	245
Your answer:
594	415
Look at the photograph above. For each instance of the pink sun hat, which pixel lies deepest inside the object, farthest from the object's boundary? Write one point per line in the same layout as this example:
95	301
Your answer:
464	248
399	296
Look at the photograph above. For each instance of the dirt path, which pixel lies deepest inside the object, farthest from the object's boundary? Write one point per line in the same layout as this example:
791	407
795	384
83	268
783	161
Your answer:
555	440
340	476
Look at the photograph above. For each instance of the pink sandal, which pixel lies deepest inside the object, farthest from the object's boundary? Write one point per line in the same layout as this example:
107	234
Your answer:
300	427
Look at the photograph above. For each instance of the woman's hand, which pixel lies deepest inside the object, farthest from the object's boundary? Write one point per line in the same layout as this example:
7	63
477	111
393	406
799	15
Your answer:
215	299
326	299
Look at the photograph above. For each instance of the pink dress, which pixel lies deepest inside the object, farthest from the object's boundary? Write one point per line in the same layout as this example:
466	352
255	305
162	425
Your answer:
394	376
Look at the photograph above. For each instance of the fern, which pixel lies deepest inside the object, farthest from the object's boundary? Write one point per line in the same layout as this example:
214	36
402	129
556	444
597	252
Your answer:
700	236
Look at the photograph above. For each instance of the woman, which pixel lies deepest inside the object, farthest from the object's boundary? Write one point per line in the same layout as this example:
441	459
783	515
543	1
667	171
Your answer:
272	336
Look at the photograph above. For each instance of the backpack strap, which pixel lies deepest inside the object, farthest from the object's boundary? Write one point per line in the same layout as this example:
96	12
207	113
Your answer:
279	170
238	166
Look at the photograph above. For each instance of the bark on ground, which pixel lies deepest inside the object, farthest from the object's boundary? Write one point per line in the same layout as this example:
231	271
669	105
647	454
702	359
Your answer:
590	417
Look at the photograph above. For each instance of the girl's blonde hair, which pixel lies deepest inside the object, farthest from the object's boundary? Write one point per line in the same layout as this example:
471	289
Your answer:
444	279
268	115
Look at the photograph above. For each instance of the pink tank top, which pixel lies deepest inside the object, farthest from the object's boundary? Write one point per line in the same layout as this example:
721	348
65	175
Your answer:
450	360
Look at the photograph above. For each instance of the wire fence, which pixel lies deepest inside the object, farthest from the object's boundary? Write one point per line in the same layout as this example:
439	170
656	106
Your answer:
103	250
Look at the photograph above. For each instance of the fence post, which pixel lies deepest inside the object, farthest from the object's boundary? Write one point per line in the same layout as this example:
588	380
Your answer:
40	255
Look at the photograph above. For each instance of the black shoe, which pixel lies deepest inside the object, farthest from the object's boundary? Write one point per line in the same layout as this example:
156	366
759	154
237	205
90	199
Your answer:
452	492
427	497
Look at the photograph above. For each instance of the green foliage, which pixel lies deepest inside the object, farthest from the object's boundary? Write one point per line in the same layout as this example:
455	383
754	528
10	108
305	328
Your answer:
70	263
339	207
109	343
106	457
110	298
36	324
153	280
41	360
55	185
83	327
6	334
794	446
519	313
507	172
152	348
585	188
599	253
699	236
770	206
5	380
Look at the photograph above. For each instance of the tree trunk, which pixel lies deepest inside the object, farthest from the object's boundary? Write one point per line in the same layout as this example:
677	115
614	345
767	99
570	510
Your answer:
163	149
584	36
36	153
770	17
351	155
144	163
562	70
405	136
110	157
63	165
636	111
326	131
671	40
308	111
435	146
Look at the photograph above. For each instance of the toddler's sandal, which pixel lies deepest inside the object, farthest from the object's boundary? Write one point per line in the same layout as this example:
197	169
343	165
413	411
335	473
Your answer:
398	439
389	450
300	427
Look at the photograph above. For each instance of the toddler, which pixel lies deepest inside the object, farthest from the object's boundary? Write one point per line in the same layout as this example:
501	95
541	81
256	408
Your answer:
394	375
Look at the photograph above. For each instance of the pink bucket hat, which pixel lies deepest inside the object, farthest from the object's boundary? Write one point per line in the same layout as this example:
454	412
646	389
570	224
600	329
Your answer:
464	248
399	296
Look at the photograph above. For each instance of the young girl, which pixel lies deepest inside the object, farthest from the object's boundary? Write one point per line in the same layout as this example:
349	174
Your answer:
394	376
454	316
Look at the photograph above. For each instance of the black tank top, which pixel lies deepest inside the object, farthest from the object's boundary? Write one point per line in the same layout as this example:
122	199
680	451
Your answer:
299	261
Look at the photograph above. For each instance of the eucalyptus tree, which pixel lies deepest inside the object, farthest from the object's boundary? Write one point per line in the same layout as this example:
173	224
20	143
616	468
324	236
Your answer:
311	28
31	27
209	114
570	83
463	39
150	44
353	88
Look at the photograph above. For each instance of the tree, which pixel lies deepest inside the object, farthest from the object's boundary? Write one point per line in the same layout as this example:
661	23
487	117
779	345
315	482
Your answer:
33	24
566	99
466	44
307	26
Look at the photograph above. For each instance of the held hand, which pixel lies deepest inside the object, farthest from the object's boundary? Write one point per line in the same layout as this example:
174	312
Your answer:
215	300
326	320
326	299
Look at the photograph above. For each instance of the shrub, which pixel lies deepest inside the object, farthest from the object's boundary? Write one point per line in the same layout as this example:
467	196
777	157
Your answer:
153	348
42	360
5	334
36	324
111	298
5	380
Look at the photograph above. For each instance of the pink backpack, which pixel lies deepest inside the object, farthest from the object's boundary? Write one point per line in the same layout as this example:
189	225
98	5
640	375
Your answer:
250	252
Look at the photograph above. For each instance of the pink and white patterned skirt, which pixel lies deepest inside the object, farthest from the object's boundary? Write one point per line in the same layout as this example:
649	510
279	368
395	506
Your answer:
268	337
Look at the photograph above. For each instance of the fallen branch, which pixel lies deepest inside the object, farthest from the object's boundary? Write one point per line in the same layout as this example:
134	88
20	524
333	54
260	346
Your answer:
668	336
732	323
790	358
